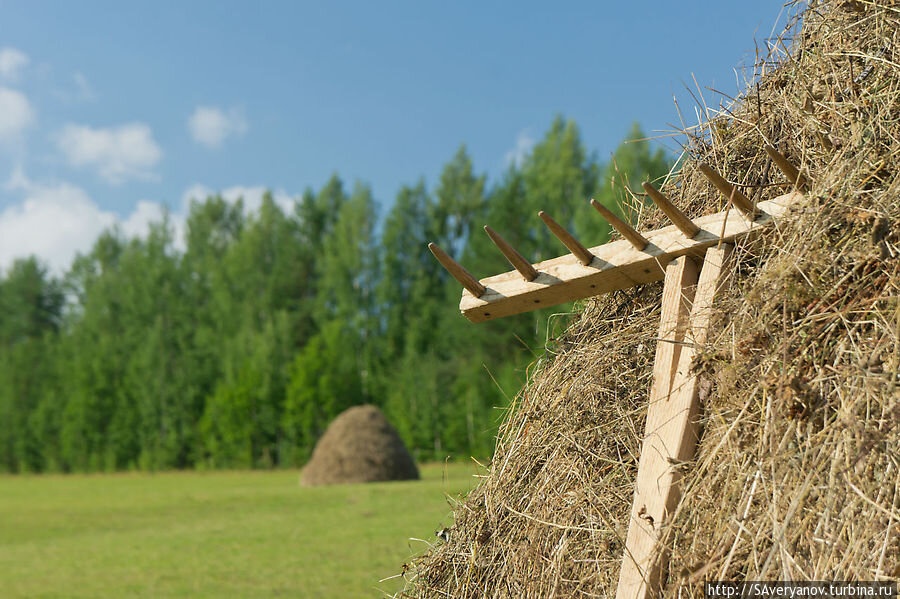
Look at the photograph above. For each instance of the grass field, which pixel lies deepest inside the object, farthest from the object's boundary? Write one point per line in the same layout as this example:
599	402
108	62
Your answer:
216	534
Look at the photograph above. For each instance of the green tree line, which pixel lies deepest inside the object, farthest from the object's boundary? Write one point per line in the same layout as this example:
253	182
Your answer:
237	350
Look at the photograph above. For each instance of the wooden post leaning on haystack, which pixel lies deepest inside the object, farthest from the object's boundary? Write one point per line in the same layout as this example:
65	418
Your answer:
692	258
670	433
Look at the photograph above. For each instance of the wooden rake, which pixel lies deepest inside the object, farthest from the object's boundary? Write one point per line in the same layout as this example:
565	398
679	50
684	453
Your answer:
689	288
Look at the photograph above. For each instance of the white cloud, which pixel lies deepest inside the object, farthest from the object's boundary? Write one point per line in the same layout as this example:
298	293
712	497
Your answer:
252	196
196	192
118	153
146	213
138	222
83	89
56	221
76	89
12	61
211	126
16	114
517	155
53	222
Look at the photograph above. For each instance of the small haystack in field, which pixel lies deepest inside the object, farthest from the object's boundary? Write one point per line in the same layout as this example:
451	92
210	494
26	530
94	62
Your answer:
360	446
797	471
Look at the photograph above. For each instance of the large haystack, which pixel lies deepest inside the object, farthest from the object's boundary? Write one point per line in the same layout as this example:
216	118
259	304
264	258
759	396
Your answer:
360	446
797	474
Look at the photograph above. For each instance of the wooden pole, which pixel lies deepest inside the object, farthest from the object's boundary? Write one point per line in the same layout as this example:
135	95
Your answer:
463	276
684	224
789	170
517	260
625	230
670	436
728	190
567	239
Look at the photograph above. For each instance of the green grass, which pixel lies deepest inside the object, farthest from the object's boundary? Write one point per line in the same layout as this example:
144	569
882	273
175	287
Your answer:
215	534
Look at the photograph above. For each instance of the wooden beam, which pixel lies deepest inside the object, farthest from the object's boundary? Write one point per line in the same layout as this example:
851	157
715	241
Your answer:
617	265
670	437
638	576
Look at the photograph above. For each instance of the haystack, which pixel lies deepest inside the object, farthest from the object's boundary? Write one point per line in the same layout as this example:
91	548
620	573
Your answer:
797	474
359	446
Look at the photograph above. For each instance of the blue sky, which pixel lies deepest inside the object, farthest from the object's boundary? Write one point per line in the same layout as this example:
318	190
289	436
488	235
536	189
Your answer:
111	110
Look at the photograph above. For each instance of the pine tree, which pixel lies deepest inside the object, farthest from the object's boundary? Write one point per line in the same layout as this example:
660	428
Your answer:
30	316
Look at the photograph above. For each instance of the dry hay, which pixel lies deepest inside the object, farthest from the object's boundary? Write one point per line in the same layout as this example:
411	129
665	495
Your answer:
359	446
797	471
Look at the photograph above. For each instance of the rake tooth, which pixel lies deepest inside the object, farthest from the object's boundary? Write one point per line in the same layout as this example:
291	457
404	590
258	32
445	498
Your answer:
789	170
457	271
728	190
684	224
515	258
624	229
579	251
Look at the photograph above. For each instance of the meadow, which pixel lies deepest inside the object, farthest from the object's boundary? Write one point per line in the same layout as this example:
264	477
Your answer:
215	534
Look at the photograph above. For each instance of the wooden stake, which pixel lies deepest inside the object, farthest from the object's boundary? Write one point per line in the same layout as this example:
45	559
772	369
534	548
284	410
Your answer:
624	229
515	258
578	250
675	215
789	170
728	190
670	437
457	271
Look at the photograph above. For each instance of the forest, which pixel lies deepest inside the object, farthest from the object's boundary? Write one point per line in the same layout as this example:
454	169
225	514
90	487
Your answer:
236	348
